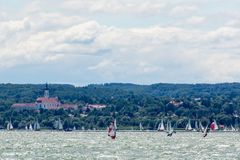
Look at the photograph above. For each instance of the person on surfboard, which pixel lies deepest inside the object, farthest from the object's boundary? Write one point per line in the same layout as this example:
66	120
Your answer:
112	130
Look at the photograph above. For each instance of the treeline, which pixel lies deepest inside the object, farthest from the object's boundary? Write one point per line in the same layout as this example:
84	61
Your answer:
129	103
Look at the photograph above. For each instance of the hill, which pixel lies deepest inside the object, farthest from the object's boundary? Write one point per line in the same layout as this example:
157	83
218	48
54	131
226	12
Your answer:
129	103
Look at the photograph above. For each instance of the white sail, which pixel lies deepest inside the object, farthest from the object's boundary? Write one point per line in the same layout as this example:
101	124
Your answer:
162	128
158	128
36	126
74	128
215	124
225	129
167	129
140	127
232	128
196	125
201	126
9	126
115	124
30	127
188	126
60	126
112	131
26	127
170	126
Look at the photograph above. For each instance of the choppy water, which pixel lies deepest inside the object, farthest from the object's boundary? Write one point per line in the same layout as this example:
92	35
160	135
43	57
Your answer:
128	145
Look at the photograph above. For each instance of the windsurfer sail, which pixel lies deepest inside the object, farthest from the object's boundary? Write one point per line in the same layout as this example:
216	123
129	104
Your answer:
170	129
112	130
214	126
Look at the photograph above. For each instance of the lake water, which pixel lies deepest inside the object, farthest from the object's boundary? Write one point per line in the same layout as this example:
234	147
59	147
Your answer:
128	145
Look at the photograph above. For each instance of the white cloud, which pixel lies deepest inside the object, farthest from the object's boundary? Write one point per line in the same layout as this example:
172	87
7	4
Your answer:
153	50
13	26
183	10
162	50
3	15
195	20
115	6
103	65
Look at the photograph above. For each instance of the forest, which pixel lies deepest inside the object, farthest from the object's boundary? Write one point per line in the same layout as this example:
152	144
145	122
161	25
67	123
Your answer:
130	104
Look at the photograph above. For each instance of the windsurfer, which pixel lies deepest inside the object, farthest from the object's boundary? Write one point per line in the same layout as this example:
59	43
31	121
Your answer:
171	133
112	130
206	132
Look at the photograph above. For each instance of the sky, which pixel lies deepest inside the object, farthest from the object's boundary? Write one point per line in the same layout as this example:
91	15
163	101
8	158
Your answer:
82	42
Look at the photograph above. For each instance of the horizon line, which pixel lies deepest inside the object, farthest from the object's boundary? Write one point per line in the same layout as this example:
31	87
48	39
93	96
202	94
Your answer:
132	83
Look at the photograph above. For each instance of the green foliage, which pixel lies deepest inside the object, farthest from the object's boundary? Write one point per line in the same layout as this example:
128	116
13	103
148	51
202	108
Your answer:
129	103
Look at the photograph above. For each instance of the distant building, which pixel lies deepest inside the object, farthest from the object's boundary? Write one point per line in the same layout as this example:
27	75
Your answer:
24	106
94	106
176	103
45	102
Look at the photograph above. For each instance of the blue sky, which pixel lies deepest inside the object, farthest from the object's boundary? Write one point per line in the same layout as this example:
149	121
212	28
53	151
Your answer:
86	41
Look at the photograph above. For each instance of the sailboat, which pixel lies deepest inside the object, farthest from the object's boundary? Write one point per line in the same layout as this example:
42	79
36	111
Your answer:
168	128
74	128
236	125
140	127
83	128
225	129
9	126
188	126
161	126
59	125
201	126
36	126
148	127
232	128
214	125
30	127
26	127
196	127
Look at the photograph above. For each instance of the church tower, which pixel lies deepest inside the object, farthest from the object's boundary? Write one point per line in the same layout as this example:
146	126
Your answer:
46	91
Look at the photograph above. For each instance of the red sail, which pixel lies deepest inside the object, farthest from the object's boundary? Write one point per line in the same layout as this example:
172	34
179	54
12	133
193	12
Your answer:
212	126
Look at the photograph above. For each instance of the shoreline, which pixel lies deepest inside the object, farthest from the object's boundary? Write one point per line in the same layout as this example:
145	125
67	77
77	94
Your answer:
102	131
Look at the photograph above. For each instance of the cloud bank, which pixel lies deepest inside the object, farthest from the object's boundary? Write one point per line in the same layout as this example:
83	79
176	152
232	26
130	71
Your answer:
189	47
